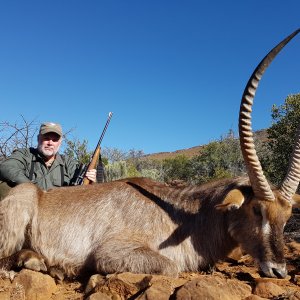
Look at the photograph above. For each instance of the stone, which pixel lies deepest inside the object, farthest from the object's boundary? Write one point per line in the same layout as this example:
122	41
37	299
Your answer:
213	288
35	285
268	289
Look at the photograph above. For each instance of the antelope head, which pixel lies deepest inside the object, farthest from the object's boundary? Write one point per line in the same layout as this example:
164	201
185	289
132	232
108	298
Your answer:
266	209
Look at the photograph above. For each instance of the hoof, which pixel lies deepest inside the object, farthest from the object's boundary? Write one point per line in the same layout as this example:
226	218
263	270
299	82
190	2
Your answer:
31	260
56	273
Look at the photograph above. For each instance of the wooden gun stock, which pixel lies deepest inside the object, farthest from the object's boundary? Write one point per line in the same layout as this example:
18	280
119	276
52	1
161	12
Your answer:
92	165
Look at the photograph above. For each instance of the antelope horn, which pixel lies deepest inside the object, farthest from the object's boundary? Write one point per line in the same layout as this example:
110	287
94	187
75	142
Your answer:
258	181
292	178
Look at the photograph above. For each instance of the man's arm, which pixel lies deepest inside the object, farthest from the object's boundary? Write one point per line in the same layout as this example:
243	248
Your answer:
14	168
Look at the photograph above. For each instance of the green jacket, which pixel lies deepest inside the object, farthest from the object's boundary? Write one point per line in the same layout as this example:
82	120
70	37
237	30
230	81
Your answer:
17	168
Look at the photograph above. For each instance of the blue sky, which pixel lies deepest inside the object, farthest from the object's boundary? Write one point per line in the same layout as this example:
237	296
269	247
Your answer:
172	72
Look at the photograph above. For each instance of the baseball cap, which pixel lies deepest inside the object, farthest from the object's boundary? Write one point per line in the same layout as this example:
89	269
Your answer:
51	127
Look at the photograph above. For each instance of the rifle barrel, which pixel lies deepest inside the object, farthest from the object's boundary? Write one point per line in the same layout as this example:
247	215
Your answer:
104	130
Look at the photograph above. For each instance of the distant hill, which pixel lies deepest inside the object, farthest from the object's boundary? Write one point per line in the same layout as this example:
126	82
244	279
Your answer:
190	152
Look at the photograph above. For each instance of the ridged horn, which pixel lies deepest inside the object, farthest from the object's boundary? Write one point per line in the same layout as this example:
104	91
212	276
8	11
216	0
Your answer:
292	178
258	181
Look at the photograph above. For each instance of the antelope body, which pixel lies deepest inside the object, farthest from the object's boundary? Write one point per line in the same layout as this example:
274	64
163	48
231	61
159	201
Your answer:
143	226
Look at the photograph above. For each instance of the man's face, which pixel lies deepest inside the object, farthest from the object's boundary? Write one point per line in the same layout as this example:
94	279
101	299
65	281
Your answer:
48	144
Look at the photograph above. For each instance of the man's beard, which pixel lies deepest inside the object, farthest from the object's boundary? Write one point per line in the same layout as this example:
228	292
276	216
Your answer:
47	152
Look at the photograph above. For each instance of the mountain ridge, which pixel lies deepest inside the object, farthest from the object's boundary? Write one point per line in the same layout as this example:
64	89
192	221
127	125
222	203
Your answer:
193	151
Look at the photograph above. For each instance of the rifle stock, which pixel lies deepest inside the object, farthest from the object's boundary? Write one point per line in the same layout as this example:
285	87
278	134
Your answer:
92	165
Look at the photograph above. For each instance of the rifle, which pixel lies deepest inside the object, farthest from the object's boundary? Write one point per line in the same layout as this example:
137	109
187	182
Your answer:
79	176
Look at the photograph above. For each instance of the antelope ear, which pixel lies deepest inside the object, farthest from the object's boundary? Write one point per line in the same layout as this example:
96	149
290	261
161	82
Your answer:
233	200
296	200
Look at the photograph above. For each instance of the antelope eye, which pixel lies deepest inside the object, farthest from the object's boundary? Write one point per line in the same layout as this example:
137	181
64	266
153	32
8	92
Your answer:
257	211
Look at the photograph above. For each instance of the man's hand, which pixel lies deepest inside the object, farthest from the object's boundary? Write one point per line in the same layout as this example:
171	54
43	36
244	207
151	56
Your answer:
91	175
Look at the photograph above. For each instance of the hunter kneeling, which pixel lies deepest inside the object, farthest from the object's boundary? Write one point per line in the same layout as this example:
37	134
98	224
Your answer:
43	165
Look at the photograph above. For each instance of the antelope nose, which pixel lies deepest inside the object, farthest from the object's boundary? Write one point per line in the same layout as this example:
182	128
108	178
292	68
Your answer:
271	269
280	272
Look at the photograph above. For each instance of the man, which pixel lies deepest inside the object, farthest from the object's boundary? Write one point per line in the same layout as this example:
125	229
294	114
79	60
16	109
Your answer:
42	165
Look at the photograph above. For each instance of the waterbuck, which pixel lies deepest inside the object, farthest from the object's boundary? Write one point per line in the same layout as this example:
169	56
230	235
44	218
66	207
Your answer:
142	226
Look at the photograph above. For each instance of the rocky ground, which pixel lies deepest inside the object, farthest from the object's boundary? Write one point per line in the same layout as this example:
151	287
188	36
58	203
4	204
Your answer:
236	278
